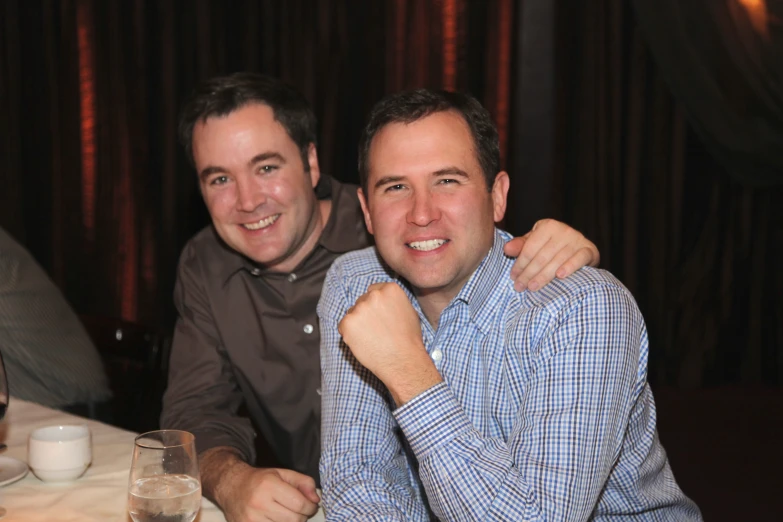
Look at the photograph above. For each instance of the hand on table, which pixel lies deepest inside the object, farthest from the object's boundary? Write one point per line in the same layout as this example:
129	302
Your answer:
270	494
551	249
248	494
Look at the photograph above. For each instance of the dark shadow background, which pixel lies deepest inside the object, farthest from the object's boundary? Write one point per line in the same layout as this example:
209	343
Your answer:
653	126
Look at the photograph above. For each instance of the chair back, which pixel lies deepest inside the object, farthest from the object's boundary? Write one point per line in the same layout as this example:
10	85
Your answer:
136	361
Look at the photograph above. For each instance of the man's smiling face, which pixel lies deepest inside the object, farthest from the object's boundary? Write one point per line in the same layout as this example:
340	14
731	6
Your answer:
428	204
258	193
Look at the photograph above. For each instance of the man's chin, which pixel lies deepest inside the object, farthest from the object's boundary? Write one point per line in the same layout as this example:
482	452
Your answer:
264	256
426	283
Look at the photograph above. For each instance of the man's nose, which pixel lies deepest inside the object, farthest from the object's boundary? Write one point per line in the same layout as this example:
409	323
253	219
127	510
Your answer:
249	196
423	210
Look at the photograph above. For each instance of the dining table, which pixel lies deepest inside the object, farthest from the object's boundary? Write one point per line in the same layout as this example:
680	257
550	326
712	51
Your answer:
100	495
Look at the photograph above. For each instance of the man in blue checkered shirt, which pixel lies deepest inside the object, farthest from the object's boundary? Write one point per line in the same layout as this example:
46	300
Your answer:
446	393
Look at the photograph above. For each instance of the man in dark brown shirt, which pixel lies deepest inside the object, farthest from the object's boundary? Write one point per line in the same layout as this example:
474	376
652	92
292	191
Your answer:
248	286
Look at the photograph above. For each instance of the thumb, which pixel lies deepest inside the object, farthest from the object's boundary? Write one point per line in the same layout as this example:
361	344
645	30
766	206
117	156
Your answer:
304	483
514	247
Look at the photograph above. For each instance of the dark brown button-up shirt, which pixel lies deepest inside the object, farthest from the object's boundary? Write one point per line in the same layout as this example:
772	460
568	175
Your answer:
245	334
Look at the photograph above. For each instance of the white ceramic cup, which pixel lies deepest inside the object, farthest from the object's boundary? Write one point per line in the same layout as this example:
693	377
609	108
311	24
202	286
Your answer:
59	453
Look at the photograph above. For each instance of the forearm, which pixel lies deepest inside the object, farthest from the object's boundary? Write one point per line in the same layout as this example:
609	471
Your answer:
465	474
414	376
220	467
469	475
202	396
364	473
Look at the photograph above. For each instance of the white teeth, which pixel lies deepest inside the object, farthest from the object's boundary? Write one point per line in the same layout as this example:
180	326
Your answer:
425	246
261	224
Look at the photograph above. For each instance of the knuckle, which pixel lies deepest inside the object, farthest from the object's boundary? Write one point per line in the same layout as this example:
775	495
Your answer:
526	254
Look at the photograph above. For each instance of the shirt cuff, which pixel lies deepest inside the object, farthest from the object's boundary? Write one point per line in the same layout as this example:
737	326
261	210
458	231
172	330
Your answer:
431	419
206	440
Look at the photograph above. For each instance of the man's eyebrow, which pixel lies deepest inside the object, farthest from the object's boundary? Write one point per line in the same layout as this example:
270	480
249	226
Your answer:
258	158
451	171
386	180
264	156
446	171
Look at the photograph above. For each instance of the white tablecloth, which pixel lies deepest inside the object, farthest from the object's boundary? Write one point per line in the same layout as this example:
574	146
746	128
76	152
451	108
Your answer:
100	495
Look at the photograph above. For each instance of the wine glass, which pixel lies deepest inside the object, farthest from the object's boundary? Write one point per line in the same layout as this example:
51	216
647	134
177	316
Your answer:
3	388
164	481
3	406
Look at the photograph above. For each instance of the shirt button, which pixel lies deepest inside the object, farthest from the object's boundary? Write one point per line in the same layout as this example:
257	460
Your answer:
256	272
318	391
436	355
308	328
291	278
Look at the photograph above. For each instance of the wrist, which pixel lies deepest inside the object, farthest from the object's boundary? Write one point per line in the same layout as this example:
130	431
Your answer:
221	471
412	379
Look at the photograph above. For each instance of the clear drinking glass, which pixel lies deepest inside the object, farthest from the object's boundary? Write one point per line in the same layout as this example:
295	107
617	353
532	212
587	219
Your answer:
3	388
3	406
164	482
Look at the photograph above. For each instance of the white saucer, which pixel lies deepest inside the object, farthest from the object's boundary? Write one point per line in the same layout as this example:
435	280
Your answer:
11	470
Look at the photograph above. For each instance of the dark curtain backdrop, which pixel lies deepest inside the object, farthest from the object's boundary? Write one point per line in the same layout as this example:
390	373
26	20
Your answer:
698	244
94	182
724	62
593	125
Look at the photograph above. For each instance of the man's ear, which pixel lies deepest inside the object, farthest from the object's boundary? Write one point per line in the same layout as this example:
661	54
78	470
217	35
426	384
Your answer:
499	195
312	161
365	210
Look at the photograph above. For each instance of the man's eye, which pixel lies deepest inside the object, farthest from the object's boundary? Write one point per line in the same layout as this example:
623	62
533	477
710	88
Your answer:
448	181
219	180
394	188
267	168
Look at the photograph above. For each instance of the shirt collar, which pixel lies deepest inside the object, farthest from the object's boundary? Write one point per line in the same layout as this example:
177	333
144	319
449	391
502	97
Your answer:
490	277
346	221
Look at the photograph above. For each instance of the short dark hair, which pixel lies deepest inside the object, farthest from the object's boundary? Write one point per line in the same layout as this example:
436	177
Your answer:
220	96
410	106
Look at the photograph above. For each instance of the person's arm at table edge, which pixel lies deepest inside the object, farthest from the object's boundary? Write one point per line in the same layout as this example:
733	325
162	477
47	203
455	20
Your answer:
201	388
203	382
218	468
243	492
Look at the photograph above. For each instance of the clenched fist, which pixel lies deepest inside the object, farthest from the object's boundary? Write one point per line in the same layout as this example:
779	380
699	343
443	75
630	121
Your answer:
383	332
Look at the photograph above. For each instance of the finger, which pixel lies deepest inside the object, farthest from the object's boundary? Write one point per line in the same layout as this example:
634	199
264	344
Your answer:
548	272
580	258
514	247
279	513
595	255
542	257
543	223
534	241
290	499
304	483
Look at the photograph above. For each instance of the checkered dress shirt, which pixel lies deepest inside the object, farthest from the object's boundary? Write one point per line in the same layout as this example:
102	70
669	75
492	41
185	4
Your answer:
544	413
